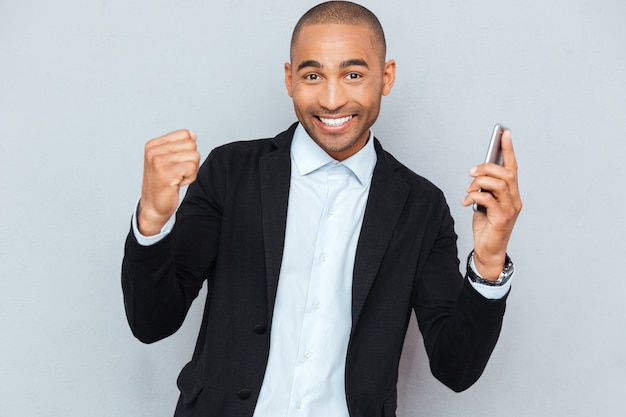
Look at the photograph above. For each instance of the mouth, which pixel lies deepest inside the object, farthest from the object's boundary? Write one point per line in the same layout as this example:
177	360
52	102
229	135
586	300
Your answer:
335	122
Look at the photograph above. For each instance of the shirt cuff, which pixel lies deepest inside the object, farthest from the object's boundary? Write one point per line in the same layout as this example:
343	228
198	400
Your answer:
488	291
151	240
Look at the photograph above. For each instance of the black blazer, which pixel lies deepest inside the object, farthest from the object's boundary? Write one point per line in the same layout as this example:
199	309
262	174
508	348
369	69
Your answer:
230	230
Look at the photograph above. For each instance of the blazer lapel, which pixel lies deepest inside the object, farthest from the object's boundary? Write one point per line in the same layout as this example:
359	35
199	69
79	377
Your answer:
387	197
275	170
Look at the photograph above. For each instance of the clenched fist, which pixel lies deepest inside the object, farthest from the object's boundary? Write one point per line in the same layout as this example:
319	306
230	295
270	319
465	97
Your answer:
171	161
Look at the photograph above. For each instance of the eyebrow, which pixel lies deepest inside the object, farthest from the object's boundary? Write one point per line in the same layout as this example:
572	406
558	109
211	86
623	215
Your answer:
354	63
309	63
344	64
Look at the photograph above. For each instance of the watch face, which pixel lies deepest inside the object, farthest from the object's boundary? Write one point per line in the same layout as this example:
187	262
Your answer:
507	273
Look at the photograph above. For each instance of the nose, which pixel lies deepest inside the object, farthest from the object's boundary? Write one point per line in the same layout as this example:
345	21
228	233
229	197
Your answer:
332	95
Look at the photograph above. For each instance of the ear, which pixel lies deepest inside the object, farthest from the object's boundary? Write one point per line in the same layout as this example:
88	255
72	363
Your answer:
389	76
288	78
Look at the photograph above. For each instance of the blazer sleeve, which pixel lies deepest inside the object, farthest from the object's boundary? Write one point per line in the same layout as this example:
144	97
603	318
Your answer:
159	282
460	327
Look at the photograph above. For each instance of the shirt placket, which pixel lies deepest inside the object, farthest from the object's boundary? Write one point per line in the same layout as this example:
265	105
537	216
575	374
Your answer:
325	273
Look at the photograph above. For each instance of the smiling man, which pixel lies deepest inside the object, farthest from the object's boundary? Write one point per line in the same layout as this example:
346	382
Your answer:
337	77
317	245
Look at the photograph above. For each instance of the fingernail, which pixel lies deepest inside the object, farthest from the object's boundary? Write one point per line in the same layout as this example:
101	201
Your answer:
473	171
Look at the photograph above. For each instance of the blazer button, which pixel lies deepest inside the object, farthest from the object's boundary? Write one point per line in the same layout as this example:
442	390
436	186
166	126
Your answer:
260	329
244	393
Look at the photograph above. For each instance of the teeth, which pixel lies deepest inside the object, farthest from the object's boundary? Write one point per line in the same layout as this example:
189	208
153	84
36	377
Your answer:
335	122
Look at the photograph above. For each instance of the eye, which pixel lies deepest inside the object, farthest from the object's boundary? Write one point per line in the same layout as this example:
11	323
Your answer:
312	77
353	76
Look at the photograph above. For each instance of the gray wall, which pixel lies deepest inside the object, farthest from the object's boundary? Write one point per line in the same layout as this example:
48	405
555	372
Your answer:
83	84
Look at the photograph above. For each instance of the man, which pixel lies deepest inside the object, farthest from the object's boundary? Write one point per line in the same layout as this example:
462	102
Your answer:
317	245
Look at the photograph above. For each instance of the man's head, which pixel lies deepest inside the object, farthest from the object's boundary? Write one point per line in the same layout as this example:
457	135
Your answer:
338	75
342	13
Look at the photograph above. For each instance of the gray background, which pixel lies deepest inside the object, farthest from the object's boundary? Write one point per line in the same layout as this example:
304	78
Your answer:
83	85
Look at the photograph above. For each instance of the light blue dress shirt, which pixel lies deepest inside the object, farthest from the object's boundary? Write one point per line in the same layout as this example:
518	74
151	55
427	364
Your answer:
313	313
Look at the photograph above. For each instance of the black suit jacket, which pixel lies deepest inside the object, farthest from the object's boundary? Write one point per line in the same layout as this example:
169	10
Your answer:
230	230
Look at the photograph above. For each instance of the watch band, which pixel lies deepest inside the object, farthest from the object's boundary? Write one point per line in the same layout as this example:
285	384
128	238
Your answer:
505	275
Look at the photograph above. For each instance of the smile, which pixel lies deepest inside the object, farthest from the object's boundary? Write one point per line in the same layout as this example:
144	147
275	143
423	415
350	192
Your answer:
335	122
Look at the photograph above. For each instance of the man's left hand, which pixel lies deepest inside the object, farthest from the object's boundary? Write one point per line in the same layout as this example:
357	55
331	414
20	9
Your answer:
493	227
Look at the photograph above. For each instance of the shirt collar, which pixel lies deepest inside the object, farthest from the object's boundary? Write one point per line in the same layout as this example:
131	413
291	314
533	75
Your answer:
308	156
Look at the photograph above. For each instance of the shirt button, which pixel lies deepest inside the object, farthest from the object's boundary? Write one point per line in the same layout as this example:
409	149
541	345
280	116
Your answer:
307	354
316	305
331	211
323	257
298	405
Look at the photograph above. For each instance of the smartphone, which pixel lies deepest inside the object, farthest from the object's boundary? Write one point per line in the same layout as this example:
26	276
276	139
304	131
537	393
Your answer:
494	154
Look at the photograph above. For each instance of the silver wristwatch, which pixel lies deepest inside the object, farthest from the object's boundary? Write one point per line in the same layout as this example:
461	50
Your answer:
504	277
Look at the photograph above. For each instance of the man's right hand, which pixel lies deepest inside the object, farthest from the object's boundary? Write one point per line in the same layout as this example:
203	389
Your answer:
171	161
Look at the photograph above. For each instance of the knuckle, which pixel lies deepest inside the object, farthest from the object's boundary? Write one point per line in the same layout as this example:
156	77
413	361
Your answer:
161	162
158	159
511	175
149	146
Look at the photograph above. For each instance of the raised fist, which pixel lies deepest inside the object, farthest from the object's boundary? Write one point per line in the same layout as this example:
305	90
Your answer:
171	161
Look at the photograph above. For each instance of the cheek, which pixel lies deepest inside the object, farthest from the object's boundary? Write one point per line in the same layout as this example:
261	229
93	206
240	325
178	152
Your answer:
369	100
367	94
303	96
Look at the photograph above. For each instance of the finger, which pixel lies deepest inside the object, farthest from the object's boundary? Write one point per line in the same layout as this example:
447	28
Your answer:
170	158
182	134
172	168
154	150
508	159
510	164
187	173
487	183
173	150
488	199
507	172
175	136
173	174
481	198
488	191
508	153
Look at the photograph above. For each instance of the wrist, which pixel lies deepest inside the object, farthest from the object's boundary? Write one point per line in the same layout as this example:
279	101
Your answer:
149	223
506	270
488	267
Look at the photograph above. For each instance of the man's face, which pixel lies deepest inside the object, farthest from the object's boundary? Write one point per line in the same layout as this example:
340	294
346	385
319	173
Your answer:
336	78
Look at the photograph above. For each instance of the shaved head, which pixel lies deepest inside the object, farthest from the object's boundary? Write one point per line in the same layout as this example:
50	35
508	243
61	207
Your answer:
342	12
